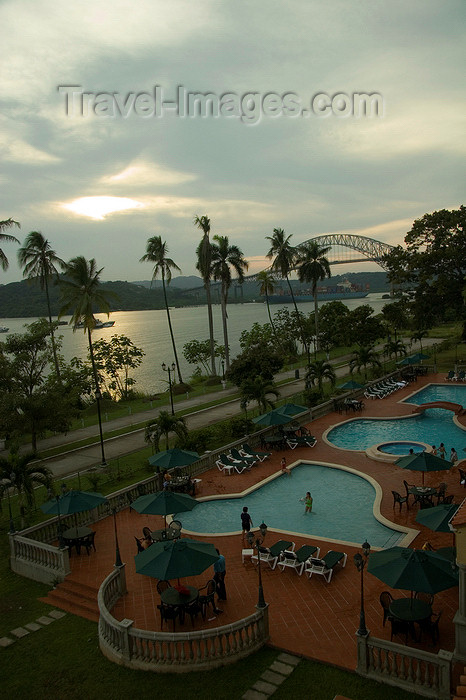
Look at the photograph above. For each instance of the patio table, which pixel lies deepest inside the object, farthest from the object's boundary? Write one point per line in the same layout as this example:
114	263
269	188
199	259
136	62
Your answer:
170	596
75	537
161	535
410	609
275	440
424	495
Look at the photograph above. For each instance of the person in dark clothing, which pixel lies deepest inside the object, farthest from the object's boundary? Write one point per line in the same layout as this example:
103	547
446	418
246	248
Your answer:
246	521
219	576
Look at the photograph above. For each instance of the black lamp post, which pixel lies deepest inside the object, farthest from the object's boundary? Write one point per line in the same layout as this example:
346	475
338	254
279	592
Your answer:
223	370
257	542
360	563
61	542
118	561
170	370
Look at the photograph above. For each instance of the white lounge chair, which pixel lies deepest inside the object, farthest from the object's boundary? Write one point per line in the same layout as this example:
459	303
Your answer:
297	560
248	452
270	555
225	468
325	566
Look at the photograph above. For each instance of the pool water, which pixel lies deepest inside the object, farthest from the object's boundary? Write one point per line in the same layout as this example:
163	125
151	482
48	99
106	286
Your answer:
456	393
338	496
400	448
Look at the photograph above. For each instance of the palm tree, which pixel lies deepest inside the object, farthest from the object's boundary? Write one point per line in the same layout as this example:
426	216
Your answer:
258	389
313	267
81	294
225	257
8	223
395	347
364	356
283	264
267	286
204	265
318	371
17	472
39	261
156	252
164	424
419	335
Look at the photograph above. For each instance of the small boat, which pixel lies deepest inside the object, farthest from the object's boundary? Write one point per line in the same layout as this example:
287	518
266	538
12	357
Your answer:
98	324
4	329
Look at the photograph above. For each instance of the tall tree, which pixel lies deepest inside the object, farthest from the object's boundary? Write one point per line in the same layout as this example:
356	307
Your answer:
258	389
82	294
284	260
20	473
318	371
313	267
39	262
267	286
365	356
8	223
115	358
226	257
204	265
156	253
165	424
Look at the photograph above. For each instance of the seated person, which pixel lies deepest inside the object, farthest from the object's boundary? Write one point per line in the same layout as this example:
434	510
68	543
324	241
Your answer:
166	479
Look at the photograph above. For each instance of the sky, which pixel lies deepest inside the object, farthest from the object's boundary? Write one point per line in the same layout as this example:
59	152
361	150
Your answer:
288	146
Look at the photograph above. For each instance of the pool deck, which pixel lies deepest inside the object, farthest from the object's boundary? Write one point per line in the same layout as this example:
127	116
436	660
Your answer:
307	617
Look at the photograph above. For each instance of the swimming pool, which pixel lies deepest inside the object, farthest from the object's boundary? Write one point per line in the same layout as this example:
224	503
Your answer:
338	496
400	448
432	427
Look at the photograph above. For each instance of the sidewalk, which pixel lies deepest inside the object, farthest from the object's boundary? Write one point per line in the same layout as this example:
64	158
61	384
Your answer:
80	459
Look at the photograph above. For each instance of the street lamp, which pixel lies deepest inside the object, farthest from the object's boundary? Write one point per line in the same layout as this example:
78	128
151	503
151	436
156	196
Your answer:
170	370
118	561
61	542
257	542
360	563
223	370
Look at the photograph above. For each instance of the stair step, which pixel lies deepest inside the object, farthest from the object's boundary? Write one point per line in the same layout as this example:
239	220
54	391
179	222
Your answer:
75	597
78	588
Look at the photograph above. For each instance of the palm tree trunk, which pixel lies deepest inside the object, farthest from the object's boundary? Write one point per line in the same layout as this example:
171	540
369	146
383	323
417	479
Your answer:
97	395
52	337
225	327
211	326
306	347
171	329
270	315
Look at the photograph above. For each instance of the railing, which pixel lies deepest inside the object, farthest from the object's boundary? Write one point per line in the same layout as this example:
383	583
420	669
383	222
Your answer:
37	560
413	670
176	652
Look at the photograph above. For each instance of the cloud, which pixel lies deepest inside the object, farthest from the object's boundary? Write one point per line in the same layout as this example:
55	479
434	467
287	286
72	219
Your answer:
142	174
100	207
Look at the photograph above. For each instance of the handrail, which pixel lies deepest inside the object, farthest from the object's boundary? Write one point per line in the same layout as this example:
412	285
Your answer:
412	669
176	652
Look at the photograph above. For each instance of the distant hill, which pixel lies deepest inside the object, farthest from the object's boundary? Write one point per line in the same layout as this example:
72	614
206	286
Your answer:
25	300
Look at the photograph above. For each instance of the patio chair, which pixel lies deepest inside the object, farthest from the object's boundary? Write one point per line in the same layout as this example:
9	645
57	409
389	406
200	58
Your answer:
450	376
431	626
162	586
147	532
397	498
407	487
301	441
296	560
385	601
248	452
426	597
462	376
138	543
441	492
193	609
88	543
169	612
270	555
326	565
462	474
208	597
174	530
240	463
448	500
400	627
243	458
224	468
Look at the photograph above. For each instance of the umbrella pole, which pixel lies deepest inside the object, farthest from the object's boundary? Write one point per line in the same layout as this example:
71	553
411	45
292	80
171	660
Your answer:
76	523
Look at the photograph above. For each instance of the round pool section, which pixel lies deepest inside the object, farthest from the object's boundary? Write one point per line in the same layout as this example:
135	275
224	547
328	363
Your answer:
401	449
391	451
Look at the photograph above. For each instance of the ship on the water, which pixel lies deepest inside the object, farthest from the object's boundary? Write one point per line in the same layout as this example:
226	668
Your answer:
342	290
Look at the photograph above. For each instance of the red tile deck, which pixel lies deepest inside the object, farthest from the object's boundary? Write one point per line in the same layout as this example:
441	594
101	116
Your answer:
307	617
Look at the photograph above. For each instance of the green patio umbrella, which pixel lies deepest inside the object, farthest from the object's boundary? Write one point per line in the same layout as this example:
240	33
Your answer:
419	356
173	457
272	418
73	502
437	518
408	361
423	462
413	570
291	409
351	384
164	503
176	558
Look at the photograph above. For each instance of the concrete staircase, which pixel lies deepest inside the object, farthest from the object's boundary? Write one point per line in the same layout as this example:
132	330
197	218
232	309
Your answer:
75	597
461	688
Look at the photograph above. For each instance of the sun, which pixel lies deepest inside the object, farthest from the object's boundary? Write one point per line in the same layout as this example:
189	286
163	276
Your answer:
100	207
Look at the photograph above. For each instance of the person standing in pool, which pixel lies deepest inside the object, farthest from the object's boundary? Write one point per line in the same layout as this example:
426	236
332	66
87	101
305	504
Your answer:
246	521
442	451
453	455
308	502
434	450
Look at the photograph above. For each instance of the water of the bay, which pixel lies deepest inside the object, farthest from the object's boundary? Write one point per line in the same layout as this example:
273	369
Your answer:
149	331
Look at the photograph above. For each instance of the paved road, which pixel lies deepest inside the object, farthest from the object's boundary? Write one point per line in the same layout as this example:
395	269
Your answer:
85	457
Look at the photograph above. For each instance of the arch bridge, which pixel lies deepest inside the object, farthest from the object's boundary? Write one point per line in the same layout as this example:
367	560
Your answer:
457	408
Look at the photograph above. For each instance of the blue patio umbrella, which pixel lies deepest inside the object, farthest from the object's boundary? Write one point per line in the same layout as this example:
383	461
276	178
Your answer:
419	356
412	360
164	503
351	384
291	409
173	457
272	418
